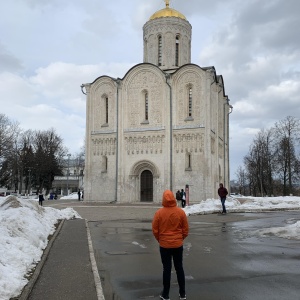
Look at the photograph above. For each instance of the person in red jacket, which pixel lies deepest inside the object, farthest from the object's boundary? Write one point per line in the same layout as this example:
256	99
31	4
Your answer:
222	192
170	227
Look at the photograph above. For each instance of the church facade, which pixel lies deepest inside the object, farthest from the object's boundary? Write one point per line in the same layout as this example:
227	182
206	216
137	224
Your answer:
164	125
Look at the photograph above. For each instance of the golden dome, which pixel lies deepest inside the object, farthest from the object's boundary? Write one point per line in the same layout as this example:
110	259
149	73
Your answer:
167	12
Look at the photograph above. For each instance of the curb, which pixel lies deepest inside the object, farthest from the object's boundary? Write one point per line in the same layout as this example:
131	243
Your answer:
29	286
97	279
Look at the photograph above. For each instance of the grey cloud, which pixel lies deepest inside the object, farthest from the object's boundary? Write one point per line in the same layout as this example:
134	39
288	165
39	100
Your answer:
8	62
270	25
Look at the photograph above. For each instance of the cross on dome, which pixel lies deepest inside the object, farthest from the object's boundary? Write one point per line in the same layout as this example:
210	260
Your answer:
167	12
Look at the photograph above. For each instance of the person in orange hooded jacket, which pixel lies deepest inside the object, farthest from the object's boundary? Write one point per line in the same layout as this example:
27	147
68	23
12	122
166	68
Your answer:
170	227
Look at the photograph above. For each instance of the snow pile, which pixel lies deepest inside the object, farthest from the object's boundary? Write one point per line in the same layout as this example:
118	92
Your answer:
24	230
248	204
291	231
70	197
254	204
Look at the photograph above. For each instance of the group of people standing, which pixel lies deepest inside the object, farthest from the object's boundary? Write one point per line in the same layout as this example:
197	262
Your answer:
181	196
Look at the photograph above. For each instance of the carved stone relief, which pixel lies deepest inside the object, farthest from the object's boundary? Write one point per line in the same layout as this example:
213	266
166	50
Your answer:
189	142
150	82
193	80
144	144
168	28
104	146
169	46
104	90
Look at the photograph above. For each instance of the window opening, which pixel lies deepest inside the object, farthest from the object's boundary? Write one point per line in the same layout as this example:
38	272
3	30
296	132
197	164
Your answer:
159	50
190	101
106	110
188	162
146	106
104	164
177	51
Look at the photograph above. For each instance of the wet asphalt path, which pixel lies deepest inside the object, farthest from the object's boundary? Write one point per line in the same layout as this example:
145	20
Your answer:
224	258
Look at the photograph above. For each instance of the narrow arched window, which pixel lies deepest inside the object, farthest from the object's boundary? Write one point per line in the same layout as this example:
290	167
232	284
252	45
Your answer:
146	106
104	164
159	50
190	104
188	161
106	110
177	51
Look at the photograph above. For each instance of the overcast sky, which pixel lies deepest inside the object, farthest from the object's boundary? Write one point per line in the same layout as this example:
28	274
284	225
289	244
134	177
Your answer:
48	48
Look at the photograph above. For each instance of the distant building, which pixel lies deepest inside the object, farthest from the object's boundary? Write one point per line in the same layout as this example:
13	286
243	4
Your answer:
72	178
164	125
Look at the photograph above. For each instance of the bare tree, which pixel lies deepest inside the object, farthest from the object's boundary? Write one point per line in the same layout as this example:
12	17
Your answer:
48	152
287	162
259	163
242	180
272	164
9	132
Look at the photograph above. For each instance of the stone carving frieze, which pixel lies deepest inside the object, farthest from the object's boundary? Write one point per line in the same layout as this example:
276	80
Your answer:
104	146
175	26
144	144
189	142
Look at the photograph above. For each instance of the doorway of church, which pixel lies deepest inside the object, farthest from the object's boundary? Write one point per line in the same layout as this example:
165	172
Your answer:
146	186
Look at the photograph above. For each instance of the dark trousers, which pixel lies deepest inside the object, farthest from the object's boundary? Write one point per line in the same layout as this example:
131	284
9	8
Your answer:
166	258
41	202
223	199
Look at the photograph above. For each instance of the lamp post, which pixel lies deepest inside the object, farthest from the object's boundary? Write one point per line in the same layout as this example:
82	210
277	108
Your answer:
68	173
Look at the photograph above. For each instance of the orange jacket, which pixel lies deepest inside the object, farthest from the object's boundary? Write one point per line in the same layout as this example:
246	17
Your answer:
170	225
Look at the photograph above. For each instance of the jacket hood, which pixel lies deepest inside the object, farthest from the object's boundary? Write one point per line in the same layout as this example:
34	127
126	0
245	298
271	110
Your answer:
168	199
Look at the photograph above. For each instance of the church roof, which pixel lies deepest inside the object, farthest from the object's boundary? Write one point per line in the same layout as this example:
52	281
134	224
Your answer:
167	12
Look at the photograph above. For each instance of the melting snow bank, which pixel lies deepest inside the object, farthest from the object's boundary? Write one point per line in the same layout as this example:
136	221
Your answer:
255	204
24	230
248	204
289	232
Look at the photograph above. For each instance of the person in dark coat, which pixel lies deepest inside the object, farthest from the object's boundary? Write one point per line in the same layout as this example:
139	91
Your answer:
79	195
183	195
178	197
222	192
41	199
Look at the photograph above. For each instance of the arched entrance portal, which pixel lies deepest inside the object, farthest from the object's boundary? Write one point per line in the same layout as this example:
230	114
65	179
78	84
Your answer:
146	186
144	174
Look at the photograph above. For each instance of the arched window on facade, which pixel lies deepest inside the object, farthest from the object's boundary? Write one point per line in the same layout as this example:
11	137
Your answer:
189	103
177	51
159	50
106	110
146	106
190	108
188	161
104	164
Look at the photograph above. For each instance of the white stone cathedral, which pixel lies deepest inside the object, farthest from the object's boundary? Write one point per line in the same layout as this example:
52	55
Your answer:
164	125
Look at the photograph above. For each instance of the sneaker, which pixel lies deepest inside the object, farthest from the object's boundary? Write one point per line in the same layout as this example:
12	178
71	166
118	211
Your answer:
164	298
182	297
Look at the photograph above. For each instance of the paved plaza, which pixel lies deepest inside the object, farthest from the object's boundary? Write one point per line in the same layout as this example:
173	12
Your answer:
224	257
